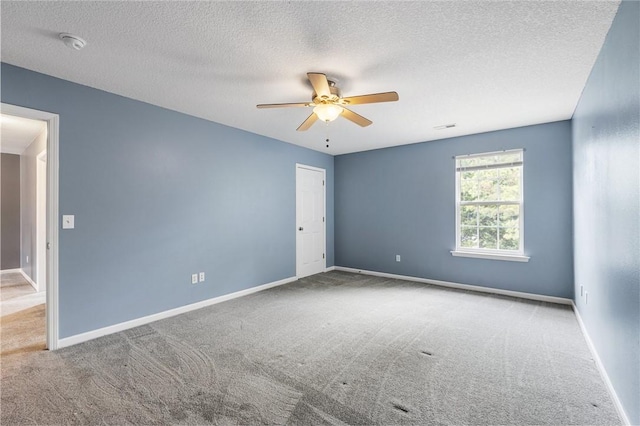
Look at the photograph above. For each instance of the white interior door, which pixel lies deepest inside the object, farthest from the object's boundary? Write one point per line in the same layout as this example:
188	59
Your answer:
310	220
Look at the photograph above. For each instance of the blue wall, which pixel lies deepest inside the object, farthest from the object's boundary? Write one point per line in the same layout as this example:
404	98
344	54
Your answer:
159	195
606	162
401	200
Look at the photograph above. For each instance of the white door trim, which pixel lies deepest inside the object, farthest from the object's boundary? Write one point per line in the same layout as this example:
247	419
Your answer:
41	240
324	212
53	121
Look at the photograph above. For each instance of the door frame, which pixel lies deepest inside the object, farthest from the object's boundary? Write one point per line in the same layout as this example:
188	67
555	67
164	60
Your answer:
41	240
53	129
324	213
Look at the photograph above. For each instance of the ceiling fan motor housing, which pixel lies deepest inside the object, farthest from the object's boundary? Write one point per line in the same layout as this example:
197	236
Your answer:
335	94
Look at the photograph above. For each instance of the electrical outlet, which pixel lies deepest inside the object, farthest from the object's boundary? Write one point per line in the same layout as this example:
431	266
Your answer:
397	258
201	276
194	278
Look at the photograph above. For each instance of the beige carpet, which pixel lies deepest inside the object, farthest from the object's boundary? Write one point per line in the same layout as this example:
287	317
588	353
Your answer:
14	285
22	318
22	332
334	348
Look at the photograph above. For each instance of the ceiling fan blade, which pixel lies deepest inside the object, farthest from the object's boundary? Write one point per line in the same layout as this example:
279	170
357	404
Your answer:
371	99
319	83
308	122
356	118
299	104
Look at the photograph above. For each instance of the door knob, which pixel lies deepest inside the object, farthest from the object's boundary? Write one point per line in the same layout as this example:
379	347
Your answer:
301	229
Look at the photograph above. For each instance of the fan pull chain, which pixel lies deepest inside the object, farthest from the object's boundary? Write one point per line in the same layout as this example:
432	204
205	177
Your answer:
327	133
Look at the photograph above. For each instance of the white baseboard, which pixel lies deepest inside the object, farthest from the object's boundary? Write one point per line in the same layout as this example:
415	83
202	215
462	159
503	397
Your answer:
330	268
603	373
522	295
94	334
29	280
10	271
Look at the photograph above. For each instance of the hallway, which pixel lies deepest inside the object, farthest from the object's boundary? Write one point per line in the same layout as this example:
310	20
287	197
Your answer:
22	311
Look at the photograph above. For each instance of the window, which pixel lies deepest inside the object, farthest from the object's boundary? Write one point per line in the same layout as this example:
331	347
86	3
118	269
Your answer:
489	209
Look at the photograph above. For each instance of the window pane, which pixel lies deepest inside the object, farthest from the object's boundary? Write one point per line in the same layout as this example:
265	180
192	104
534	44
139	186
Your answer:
471	162
487	174
488	185
509	181
509	215
469	237
468	187
469	216
511	157
487	160
488	238
509	239
488	215
487	190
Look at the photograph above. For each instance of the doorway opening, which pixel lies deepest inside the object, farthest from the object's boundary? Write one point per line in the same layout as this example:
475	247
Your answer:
29	290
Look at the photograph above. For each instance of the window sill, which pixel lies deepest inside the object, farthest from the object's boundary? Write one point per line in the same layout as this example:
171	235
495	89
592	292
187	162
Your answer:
491	256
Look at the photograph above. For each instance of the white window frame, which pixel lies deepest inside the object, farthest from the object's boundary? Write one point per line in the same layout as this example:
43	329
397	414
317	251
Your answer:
484	253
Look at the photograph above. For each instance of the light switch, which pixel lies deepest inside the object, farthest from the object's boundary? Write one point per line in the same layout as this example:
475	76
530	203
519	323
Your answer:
68	221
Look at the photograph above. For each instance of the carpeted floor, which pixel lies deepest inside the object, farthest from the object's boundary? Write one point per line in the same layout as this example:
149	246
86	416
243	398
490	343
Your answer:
335	348
16	295
22	316
12	285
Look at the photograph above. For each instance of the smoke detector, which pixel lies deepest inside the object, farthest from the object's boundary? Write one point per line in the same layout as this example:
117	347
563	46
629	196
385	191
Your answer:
73	41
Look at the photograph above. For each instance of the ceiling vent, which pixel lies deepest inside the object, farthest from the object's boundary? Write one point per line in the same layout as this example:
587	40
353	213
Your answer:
445	126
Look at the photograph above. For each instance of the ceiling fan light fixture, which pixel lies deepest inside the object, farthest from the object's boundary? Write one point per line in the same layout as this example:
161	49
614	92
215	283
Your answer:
328	112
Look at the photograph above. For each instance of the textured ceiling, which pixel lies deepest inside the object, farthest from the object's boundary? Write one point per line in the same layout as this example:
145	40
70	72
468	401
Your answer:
482	65
17	133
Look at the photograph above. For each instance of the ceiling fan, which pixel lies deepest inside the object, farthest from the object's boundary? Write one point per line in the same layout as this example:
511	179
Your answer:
328	104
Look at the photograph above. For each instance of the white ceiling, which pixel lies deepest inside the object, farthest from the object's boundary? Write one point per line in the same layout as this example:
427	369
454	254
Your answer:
17	133
483	65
